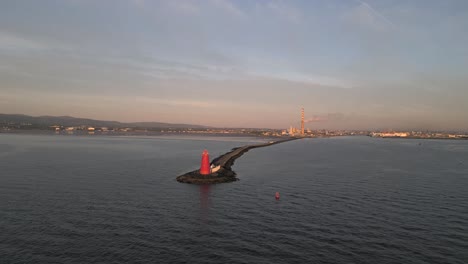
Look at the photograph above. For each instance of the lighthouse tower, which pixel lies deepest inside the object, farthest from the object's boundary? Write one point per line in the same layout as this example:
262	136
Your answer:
205	163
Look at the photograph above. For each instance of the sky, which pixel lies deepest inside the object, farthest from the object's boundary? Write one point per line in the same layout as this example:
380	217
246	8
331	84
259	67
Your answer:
351	64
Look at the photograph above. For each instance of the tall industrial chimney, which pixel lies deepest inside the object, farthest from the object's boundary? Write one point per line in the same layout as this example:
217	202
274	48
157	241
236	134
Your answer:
302	121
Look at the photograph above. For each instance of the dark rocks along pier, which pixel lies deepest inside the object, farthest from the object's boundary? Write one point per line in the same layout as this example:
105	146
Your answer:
222	171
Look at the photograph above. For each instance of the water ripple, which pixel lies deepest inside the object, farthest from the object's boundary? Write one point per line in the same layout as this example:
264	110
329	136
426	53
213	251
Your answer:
354	200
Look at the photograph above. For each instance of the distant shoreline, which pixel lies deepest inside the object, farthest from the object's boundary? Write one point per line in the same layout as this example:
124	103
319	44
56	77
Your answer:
204	134
129	134
431	138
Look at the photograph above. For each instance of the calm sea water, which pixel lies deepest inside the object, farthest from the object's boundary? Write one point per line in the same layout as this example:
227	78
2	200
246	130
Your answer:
96	199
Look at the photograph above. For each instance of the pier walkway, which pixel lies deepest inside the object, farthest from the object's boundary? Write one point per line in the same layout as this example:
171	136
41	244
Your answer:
227	160
221	166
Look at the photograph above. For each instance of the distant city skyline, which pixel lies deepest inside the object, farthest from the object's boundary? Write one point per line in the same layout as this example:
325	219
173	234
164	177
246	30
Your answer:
225	63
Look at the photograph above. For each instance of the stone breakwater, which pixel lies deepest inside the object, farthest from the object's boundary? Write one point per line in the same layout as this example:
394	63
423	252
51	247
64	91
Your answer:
225	162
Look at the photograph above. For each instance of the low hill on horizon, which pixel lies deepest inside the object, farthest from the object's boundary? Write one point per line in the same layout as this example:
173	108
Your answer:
75	121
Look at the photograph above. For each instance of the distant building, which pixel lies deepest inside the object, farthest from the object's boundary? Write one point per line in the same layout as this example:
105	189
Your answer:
302	122
56	128
390	134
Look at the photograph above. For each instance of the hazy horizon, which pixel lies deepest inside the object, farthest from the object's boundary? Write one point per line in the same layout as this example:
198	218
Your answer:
221	63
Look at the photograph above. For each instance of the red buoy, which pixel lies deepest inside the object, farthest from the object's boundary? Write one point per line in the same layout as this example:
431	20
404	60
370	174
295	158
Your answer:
205	163
277	196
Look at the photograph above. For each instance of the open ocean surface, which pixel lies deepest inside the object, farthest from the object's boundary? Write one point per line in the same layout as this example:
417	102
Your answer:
99	199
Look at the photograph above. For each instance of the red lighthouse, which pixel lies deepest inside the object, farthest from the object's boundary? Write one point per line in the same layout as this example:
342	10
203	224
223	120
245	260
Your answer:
205	163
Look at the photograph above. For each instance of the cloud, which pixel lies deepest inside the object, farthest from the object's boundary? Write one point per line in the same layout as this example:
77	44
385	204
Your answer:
174	102
187	7
190	103
275	55
139	3
313	79
6	68
280	8
172	69
333	117
229	7
376	13
368	17
13	42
